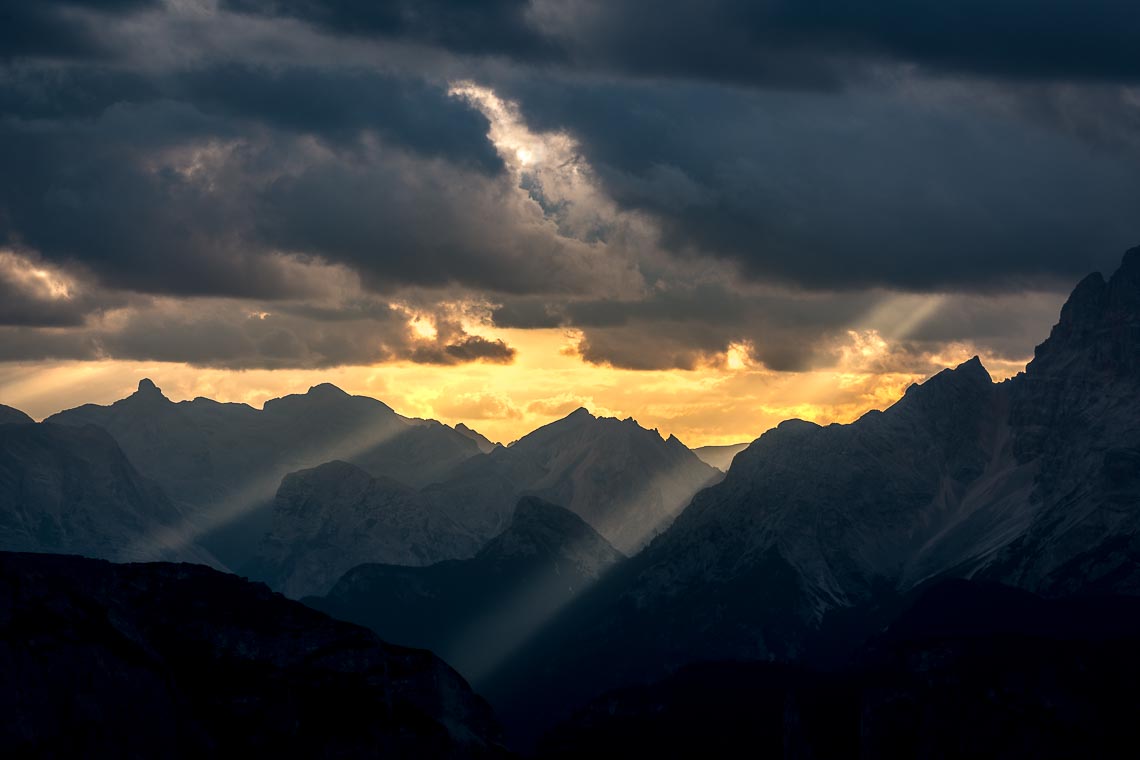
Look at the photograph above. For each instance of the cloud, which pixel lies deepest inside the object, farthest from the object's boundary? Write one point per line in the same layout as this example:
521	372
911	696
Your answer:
35	294
68	28
477	406
853	190
496	26
788	43
718	186
235	334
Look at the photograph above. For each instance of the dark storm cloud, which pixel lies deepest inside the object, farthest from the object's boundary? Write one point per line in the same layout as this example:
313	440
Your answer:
155	183
788	42
67	28
841	191
404	224
812	146
340	103
465	26
1007	38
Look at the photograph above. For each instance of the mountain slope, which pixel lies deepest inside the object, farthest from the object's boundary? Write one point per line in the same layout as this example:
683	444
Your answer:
227	460
162	660
71	490
1033	482
627	482
970	670
10	416
474	612
483	442
331	518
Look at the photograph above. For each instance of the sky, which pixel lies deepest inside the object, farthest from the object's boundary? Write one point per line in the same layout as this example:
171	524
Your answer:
710	216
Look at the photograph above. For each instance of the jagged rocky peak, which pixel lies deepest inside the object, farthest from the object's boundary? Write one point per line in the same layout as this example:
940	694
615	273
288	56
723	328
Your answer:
148	391
970	373
1100	323
484	443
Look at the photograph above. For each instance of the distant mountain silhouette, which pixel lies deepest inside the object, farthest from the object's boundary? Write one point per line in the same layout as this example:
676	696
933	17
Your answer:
71	490
227	460
1033	482
719	457
165	660
10	416
331	518
971	670
474	612
627	482
485	444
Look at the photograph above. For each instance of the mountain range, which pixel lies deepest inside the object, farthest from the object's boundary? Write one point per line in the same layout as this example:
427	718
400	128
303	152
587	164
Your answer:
816	533
626	482
900	568
225	461
298	493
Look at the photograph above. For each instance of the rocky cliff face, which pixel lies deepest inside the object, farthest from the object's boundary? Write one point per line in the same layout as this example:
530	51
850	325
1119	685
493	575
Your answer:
72	490
625	481
475	612
331	518
1076	418
163	660
1034	482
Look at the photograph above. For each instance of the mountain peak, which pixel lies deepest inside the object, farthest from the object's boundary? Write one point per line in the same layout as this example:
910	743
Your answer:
325	390
541	528
973	369
1094	323
148	391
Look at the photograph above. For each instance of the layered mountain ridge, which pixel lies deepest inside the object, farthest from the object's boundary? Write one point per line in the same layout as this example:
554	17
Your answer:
627	482
72	490
226	460
475	612
329	519
1032	482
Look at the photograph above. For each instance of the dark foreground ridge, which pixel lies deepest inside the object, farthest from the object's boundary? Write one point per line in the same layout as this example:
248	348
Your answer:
177	660
970	670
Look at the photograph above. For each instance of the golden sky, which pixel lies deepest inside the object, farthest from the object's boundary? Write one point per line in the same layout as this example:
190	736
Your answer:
727	402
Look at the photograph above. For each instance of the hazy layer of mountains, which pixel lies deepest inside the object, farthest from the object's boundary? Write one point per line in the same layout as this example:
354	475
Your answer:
226	461
593	554
300	492
72	490
476	612
719	457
